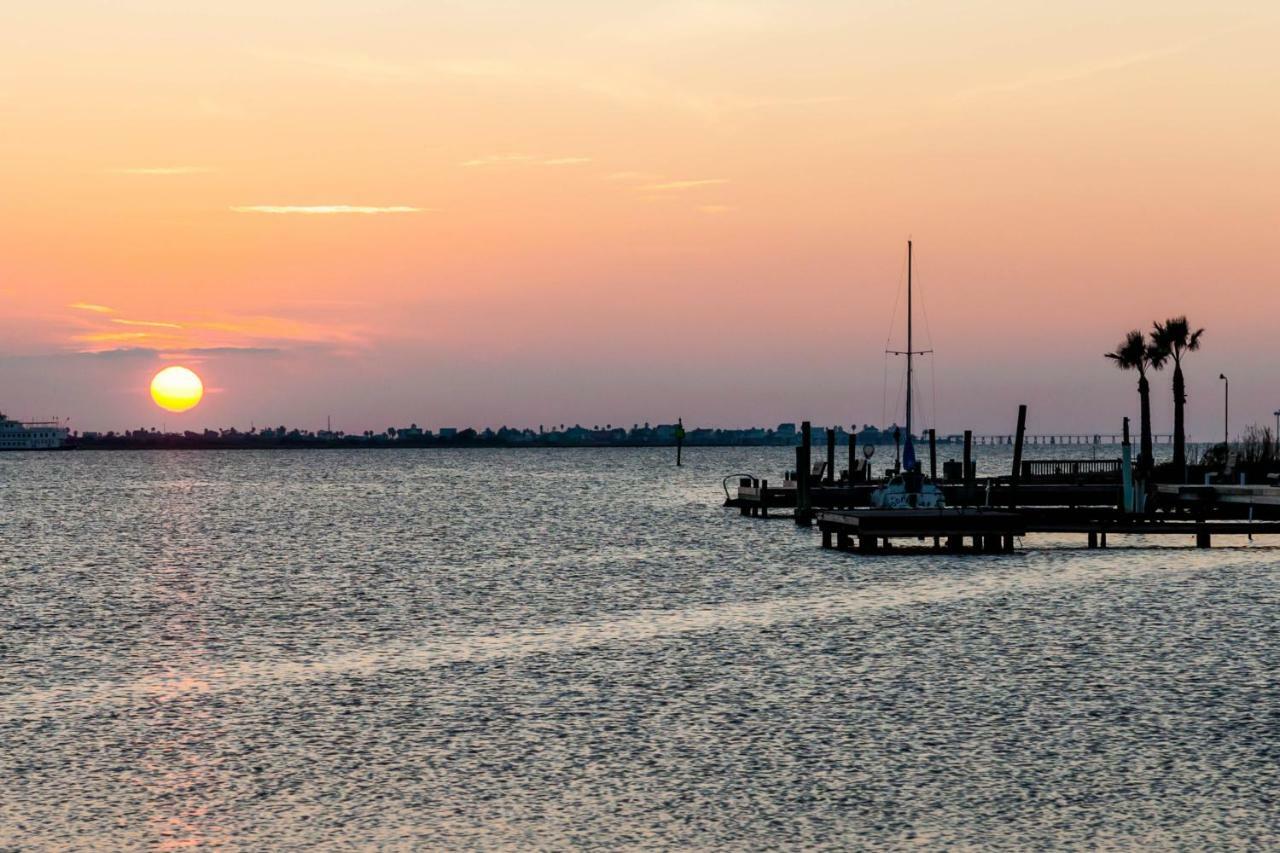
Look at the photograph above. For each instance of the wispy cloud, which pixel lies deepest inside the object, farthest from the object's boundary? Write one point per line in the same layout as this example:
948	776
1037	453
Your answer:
109	337
320	209
1082	72
629	177
335	331
120	352
161	170
186	352
148	323
355	66
89	306
498	159
678	186
715	209
529	159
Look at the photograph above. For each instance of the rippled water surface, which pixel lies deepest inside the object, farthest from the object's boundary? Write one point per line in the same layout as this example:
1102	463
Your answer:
577	648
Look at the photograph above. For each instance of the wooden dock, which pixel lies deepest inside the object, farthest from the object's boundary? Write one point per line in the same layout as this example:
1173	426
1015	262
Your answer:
993	531
874	530
1255	501
761	499
1088	497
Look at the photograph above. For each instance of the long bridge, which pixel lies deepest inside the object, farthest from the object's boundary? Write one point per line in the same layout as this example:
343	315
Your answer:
1060	438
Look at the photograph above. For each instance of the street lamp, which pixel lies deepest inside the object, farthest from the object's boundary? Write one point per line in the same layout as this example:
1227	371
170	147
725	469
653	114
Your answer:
1226	411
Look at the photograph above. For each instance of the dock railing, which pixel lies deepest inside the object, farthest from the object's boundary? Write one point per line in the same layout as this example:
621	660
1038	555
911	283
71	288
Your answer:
1045	469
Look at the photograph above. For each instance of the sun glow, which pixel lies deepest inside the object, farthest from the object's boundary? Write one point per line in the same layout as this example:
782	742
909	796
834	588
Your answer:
176	389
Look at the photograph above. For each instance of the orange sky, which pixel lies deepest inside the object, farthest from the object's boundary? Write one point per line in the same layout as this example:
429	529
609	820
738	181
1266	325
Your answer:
491	212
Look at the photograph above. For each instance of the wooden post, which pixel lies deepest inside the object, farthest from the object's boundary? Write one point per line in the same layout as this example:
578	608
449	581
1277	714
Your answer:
933	454
853	457
1017	456
968	459
764	498
831	456
804	512
679	440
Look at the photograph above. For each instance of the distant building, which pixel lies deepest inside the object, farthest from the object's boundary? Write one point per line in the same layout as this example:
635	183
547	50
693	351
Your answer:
448	432
38	435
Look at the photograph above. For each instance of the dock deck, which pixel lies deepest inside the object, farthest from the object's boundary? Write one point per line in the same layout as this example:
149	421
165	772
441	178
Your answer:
760	500
994	531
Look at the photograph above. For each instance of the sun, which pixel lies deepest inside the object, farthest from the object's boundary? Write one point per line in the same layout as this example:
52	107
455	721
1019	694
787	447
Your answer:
176	389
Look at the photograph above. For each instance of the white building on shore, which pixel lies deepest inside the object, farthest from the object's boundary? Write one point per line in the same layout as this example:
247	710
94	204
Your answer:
38	435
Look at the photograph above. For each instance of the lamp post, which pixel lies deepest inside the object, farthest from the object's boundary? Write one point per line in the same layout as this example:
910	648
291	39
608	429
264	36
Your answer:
1277	432
1226	411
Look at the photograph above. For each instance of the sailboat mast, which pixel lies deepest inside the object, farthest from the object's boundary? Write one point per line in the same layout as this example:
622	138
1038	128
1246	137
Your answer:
910	343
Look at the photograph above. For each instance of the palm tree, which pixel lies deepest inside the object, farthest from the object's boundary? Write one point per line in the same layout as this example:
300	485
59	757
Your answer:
1171	341
1134	354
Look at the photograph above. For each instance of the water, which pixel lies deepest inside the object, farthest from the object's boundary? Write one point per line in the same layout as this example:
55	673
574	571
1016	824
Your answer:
577	648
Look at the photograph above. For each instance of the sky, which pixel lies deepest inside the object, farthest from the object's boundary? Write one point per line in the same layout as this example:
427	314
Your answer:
488	212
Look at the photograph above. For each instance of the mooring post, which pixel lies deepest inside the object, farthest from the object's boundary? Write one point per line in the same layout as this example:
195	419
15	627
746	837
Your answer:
1017	456
804	516
853	457
764	498
831	456
1126	472
969	469
679	440
933	454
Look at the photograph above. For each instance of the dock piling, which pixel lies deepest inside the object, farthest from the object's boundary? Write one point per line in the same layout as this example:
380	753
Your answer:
804	506
830	477
1017	456
970	470
933	454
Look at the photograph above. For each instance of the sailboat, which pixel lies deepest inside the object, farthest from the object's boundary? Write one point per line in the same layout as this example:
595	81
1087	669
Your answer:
908	489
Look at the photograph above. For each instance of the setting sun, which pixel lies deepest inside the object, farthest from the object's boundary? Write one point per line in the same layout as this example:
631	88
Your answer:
176	389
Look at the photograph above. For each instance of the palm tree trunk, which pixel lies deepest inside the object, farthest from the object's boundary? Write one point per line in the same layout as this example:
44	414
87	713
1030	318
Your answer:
1146	458
1179	432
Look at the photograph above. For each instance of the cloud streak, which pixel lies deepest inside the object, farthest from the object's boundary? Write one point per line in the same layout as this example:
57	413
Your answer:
529	159
161	170
153	324
680	186
326	209
1083	72
89	306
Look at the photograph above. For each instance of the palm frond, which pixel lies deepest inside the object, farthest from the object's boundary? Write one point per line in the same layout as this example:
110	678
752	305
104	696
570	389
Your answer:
1161	348
1131	353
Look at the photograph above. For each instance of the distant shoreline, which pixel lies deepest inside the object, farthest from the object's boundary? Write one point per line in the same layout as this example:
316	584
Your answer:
161	444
